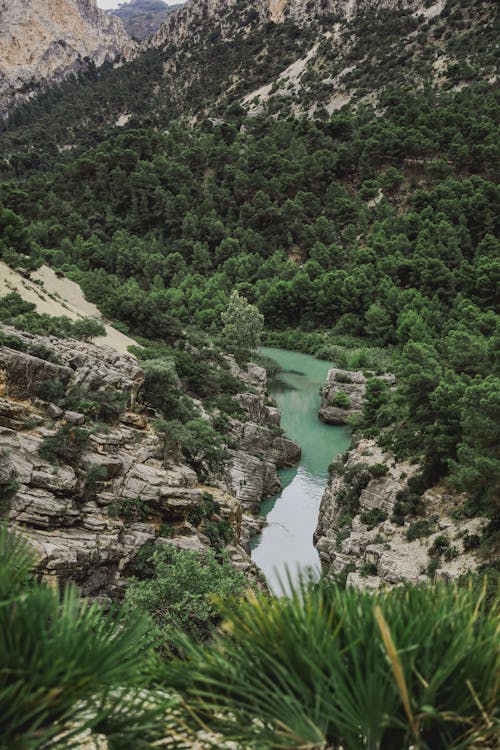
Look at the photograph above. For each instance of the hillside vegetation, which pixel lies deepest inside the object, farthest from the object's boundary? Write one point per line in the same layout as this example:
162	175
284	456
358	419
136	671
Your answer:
142	18
331	180
377	228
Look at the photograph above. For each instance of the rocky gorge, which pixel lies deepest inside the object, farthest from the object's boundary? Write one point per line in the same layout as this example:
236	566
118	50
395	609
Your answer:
88	494
361	537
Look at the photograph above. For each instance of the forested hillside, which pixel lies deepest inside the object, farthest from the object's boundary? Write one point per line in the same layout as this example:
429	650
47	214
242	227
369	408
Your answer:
375	229
323	175
234	53
141	18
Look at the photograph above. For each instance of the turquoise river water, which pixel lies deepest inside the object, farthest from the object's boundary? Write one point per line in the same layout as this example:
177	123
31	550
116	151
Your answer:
286	543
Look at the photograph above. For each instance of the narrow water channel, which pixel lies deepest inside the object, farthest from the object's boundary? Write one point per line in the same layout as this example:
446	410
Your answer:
286	543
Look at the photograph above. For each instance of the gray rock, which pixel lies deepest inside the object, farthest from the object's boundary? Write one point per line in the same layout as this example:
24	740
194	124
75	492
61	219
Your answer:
74	417
25	372
330	412
58	479
41	509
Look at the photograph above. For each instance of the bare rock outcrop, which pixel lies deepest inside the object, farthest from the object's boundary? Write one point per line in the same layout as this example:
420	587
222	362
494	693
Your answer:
357	539
88	496
43	41
343	394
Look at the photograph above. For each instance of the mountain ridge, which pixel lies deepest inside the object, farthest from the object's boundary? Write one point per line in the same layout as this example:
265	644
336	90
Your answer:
43	43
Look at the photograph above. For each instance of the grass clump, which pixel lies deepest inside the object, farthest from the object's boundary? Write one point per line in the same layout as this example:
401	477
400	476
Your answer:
373	517
326	668
422	528
68	666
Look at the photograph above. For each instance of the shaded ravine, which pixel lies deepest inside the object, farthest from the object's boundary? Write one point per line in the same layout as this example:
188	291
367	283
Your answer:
287	541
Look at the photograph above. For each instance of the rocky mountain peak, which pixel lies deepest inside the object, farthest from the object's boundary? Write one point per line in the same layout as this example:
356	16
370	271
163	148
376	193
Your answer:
232	15
43	41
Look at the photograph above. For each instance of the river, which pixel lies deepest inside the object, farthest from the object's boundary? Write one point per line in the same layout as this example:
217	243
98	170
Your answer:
286	543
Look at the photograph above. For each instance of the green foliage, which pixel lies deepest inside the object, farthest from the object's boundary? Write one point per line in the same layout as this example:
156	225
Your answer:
270	365
105	405
368	569
341	400
421	528
373	517
95	474
378	470
343	377
367	240
129	509
66	445
243	324
208	519
20	314
50	390
13	342
8	487
182	593
331	667
160	378
68	666
355	478
86	329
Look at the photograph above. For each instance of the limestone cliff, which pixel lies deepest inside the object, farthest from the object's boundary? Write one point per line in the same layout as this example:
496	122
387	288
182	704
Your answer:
361	536
343	393
42	42
89	492
186	21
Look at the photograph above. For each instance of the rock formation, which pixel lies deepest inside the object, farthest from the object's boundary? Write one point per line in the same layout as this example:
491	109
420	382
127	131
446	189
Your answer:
343	393
43	42
187	20
89	495
358	537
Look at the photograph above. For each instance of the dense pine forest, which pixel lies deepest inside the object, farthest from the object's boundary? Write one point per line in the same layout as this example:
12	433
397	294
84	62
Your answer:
359	230
348	211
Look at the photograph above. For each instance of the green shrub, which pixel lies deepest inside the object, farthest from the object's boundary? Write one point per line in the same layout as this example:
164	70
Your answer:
160	378
67	444
130	509
9	484
181	593
439	545
96	473
106	405
343	377
166	530
373	517
86	329
378	470
50	390
368	569
13	342
433	565
341	400
471	541
330	668
421	528
44	352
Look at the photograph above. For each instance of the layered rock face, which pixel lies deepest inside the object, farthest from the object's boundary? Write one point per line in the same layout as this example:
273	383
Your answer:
357	537
43	41
343	393
87	510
